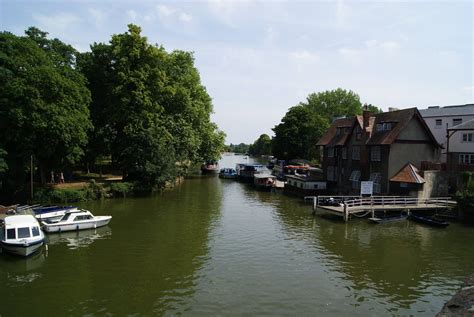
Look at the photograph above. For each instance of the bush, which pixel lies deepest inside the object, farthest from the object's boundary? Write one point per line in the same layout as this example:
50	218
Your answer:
121	189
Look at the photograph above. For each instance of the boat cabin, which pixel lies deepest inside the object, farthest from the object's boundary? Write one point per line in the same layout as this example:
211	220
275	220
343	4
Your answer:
21	227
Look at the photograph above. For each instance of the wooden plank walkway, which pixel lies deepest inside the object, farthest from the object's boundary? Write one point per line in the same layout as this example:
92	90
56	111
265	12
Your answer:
350	205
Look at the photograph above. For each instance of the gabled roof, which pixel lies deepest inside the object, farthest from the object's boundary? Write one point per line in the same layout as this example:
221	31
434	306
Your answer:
468	125
408	174
330	137
400	120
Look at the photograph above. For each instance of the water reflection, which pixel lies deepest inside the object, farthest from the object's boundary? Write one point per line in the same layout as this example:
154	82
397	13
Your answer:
78	239
18	271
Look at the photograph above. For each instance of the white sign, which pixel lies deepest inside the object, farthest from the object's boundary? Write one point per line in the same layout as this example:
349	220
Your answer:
366	188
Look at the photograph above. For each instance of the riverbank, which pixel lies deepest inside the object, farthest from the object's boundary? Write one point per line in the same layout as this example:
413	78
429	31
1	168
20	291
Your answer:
462	303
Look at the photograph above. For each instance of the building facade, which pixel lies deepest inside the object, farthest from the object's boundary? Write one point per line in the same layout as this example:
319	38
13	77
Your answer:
375	147
440	119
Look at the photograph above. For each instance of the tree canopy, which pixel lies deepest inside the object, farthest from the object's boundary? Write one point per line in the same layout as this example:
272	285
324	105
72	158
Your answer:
302	126
262	146
43	102
150	110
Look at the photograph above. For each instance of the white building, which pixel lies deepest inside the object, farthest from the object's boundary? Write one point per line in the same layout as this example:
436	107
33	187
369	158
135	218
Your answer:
440	119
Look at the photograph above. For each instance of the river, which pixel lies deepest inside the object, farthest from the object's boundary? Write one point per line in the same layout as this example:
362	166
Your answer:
218	247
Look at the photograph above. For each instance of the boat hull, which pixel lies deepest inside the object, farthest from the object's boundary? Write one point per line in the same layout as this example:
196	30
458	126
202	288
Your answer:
22	249
83	225
429	221
388	219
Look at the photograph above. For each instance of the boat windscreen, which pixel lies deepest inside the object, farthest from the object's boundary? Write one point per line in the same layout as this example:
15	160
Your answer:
35	231
24	232
11	234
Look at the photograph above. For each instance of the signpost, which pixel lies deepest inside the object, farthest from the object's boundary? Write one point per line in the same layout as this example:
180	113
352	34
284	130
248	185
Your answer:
366	188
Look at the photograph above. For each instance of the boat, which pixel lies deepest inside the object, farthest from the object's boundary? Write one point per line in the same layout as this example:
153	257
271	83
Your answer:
389	219
209	168
430	221
228	173
264	181
21	235
78	219
51	212
246	172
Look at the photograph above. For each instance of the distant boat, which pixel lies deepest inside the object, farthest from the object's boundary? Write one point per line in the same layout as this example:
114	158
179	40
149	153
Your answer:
76	220
430	221
209	168
21	235
228	173
264	181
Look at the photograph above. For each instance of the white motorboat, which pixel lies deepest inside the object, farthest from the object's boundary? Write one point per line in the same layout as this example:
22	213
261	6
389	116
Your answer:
77	219
21	235
51	212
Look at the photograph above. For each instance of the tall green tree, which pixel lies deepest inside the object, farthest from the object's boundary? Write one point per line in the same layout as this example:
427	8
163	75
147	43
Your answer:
43	103
334	103
297	134
150	111
261	146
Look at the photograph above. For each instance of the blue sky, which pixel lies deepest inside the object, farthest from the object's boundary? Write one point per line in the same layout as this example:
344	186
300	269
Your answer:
258	58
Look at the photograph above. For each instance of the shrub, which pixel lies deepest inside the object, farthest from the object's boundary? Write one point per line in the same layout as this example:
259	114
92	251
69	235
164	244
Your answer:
121	189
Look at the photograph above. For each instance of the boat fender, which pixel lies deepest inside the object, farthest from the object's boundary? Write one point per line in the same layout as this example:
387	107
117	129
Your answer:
59	230
77	227
95	225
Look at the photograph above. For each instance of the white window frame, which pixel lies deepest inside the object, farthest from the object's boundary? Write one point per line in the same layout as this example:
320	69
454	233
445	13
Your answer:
467	137
355	154
466	159
459	120
355	179
376	178
440	125
375	154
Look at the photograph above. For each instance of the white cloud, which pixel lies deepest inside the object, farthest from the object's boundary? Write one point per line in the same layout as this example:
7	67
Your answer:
132	15
342	13
57	22
165	11
469	88
185	17
390	46
97	15
305	56
270	35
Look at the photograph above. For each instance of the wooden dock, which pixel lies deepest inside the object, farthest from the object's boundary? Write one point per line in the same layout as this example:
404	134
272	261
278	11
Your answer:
346	206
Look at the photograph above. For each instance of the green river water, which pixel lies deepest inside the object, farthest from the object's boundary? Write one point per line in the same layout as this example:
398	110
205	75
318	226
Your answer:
218	247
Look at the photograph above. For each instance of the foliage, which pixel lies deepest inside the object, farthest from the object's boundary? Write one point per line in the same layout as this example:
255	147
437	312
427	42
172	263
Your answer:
3	163
150	110
373	109
43	103
121	189
238	148
262	146
297	134
303	125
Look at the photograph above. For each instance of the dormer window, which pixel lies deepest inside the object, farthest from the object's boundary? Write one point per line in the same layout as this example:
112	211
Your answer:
338	131
358	132
384	126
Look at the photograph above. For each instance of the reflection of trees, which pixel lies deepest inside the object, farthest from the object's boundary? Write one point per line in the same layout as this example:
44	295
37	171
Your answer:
402	262
148	266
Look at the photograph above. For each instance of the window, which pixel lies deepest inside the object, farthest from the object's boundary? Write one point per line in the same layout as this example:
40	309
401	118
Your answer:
315	186
375	154
439	123
403	185
376	178
457	122
467	137
384	126
356	153
467	159
330	151
338	131
354	178
24	232
11	234
65	217
332	173
358	131
344	153
35	231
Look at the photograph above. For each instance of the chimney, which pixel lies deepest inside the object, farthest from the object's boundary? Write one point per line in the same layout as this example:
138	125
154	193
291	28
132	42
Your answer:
366	114
392	109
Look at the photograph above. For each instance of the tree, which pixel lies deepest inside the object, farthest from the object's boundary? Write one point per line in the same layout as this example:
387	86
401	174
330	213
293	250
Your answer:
150	111
334	103
43	102
372	108
297	134
262	146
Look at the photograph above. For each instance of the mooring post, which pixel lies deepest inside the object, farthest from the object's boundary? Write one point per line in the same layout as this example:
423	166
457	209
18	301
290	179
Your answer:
315	204
346	212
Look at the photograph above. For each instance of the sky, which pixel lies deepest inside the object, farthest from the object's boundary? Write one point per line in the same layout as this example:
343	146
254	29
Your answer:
259	58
